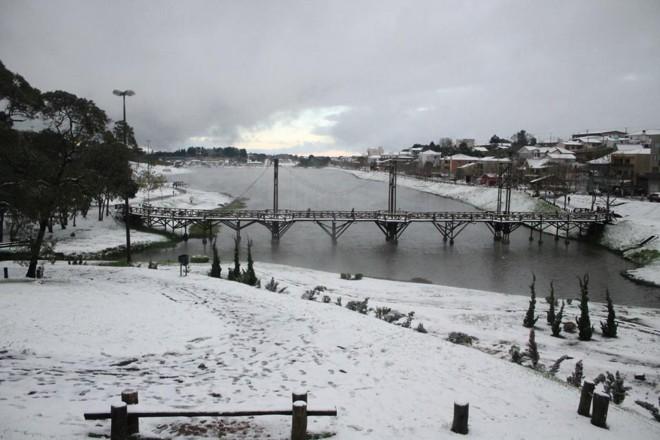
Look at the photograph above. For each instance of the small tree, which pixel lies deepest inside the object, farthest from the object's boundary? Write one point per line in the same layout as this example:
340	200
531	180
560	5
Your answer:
614	386
248	276
575	379
530	319
556	324
550	314
609	328
235	273
585	328
215	266
532	351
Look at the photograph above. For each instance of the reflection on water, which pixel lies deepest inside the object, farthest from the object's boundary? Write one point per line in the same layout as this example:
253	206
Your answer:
475	261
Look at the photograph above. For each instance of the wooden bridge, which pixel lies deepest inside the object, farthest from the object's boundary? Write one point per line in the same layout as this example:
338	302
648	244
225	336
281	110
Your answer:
392	224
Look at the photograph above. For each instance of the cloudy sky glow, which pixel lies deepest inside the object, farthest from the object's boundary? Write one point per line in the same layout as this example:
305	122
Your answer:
341	76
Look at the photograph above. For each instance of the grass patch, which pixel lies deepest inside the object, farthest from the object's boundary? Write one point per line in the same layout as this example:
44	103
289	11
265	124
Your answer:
199	259
644	256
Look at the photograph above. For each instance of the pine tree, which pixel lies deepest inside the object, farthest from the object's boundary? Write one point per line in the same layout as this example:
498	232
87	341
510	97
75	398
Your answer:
249	277
235	273
609	328
215	266
575	379
550	314
530	319
585	328
532	351
556	324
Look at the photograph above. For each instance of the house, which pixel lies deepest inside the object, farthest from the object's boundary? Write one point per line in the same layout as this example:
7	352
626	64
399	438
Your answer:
429	156
616	133
631	167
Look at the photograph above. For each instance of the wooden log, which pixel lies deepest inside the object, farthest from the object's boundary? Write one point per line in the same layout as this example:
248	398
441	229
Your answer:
299	421
585	398
601	405
119	422
299	395
461	412
130	397
269	412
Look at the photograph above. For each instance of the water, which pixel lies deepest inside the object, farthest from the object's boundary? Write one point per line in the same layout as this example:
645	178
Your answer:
475	261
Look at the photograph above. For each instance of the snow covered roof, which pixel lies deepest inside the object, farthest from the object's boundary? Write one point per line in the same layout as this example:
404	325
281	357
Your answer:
572	143
468	165
639	151
494	159
628	147
481	149
430	153
537	164
462	157
591	139
562	156
605	160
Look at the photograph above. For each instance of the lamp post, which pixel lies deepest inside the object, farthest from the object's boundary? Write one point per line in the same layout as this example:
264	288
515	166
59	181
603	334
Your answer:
123	95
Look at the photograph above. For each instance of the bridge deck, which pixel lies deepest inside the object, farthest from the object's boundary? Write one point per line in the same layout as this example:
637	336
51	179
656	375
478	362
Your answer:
267	215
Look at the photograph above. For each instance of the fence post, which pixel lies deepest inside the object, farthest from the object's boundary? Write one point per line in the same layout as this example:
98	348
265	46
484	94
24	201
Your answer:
585	398
130	397
601	404
6	271
299	395
299	421
118	422
461	412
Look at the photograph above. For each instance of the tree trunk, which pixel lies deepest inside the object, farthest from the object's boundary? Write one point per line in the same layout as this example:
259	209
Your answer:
107	206
99	201
127	218
49	223
34	250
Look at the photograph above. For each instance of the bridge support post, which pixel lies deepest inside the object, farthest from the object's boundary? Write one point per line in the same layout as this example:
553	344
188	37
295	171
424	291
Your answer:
506	231
541	232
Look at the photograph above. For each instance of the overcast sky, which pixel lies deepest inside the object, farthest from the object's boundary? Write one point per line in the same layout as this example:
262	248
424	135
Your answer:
312	77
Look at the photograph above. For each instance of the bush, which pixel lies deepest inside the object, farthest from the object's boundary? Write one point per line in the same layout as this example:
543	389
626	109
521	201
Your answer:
382	311
576	377
461	338
609	327
345	276
248	276
516	355
530	319
556	324
408	322
215	267
585	329
420	328
338	301
326	299
273	286
614	386
358	306
550	314
554	369
358	276
200	258
532	351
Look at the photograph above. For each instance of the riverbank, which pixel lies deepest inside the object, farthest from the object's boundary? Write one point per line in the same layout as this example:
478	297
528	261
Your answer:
639	220
199	342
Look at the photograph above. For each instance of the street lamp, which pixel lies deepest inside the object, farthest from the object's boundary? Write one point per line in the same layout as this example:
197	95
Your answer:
123	95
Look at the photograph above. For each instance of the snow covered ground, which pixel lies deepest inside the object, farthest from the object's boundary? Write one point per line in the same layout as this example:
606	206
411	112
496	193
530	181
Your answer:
91	235
71	342
189	198
640	220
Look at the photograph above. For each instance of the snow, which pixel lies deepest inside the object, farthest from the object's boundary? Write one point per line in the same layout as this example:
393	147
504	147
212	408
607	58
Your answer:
187	198
93	236
65	337
640	219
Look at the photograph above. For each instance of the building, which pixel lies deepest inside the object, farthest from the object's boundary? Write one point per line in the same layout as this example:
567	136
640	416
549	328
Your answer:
631	168
429	156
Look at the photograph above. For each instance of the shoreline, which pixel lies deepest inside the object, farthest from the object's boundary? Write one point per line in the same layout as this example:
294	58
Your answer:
649	275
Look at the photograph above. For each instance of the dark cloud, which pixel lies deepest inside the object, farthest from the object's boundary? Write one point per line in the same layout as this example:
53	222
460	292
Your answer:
405	72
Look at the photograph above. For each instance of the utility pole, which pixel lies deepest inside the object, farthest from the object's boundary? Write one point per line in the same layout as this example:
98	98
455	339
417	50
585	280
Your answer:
391	198
123	95
275	231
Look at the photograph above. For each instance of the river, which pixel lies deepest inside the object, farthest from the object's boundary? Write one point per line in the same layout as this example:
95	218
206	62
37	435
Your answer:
474	261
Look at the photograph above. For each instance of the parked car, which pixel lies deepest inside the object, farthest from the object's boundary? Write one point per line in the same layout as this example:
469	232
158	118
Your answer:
654	197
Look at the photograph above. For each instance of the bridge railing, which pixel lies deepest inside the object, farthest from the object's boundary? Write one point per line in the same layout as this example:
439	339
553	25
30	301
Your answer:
287	215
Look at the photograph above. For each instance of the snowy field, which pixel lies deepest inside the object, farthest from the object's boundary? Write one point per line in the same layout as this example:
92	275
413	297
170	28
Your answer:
640	220
189	198
71	342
